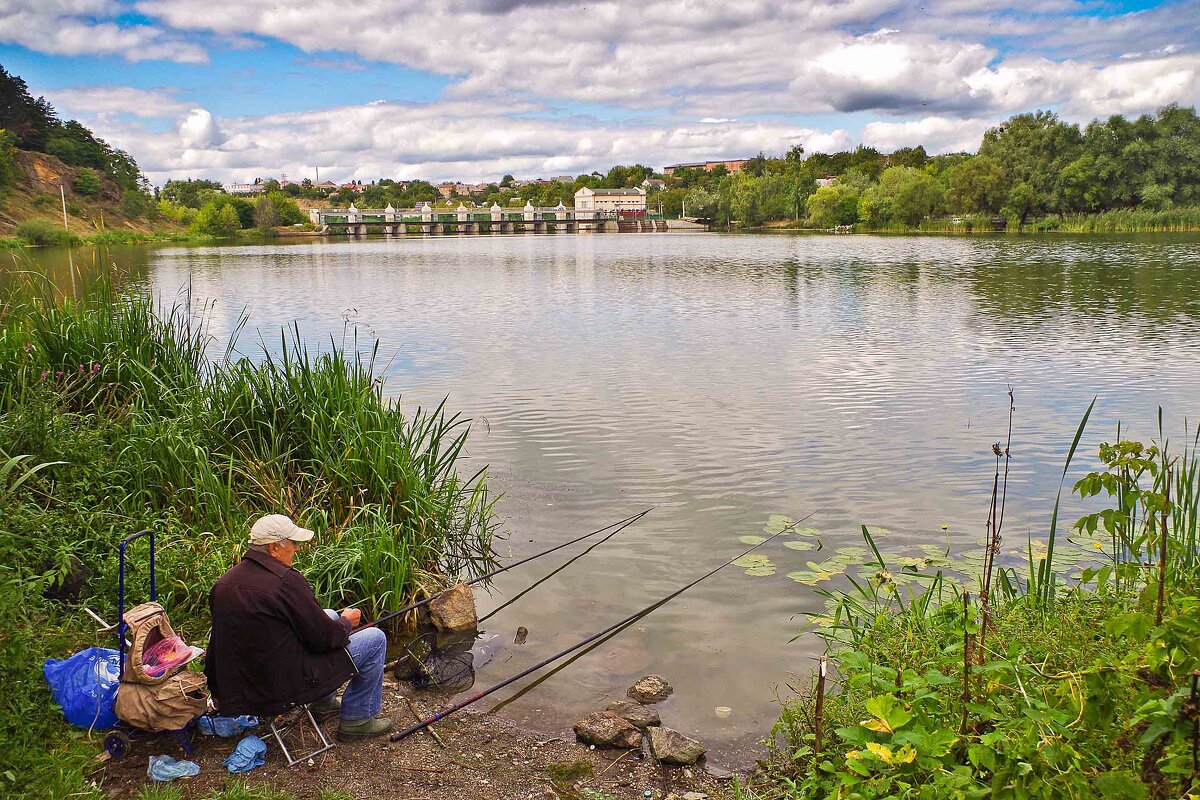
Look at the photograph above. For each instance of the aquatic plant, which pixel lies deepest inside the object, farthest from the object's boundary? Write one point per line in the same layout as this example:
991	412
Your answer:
131	395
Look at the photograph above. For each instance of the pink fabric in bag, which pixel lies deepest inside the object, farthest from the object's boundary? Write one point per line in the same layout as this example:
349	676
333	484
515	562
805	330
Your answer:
167	655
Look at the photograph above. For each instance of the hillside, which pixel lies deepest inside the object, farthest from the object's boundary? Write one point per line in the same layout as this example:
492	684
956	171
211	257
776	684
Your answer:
34	194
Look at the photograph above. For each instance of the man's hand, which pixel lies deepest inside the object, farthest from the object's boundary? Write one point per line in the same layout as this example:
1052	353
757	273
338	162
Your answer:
353	615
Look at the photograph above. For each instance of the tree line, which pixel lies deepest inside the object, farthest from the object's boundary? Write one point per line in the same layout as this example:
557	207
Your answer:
1030	166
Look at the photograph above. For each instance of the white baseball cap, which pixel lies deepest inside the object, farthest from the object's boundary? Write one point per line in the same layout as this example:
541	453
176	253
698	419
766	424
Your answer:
276	528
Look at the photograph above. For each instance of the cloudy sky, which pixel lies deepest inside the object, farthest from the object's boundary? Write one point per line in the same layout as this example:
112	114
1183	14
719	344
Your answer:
473	89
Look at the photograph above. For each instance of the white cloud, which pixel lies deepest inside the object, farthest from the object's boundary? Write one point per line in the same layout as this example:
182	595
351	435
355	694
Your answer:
116	100
198	131
935	134
87	27
460	139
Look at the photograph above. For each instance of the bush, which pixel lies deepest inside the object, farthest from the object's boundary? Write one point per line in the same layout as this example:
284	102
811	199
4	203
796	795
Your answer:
87	183
40	232
44	201
216	219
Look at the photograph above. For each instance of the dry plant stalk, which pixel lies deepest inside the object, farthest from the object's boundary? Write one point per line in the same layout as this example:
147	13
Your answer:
1162	552
966	691
819	713
995	524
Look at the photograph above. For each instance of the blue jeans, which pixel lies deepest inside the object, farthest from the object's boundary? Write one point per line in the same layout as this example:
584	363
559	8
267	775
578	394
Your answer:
363	697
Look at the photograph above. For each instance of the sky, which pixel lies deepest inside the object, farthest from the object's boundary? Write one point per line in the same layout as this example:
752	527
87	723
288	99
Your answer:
474	89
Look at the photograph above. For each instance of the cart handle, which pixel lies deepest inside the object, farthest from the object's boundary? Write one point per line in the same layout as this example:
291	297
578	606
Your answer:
121	626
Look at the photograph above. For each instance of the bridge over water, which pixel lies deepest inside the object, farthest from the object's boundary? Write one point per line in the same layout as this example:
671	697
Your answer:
426	220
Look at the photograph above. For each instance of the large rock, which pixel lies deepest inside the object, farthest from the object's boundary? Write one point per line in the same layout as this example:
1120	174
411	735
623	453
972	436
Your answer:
606	729
454	609
672	747
635	714
650	689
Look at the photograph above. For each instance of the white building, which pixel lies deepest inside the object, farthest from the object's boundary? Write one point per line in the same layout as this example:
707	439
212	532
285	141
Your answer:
245	188
622	201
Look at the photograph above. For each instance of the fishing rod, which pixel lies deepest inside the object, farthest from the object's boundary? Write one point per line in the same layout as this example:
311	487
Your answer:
426	722
619	525
550	575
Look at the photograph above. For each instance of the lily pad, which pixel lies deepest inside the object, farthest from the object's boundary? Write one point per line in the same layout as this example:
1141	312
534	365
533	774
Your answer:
803	531
809	577
800	545
755	564
752	539
776	523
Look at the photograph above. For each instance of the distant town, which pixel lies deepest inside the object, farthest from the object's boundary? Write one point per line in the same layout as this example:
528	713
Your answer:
451	189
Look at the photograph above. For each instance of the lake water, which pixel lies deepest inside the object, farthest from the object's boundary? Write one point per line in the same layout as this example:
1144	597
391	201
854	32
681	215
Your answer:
723	379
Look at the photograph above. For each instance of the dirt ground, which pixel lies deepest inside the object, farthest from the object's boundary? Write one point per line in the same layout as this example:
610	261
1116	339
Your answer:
480	757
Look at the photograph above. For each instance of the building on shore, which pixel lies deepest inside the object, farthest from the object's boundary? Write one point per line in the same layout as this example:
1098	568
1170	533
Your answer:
732	164
626	202
258	187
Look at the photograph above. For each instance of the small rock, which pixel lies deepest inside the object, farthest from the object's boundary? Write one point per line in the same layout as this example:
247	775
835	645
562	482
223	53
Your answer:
454	609
522	635
695	796
606	729
672	747
635	714
650	689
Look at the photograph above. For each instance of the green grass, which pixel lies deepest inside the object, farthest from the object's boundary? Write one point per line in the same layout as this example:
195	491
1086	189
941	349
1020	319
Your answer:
118	414
41	233
1077	689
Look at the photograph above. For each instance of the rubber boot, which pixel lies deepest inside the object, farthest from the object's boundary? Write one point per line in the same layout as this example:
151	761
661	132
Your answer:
324	709
363	728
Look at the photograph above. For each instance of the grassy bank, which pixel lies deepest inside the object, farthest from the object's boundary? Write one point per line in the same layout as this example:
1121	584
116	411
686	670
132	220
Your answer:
118	414
1073	680
37	233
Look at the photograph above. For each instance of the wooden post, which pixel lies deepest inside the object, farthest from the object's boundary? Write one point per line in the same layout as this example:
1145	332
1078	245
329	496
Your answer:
63	194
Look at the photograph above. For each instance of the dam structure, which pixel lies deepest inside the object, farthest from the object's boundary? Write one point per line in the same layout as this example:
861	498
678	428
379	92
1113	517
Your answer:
427	220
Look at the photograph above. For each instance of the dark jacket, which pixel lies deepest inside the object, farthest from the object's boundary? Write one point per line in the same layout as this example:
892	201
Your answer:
272	643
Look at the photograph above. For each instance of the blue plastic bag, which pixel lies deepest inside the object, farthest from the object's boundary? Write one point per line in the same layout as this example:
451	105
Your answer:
249	754
85	686
226	727
165	768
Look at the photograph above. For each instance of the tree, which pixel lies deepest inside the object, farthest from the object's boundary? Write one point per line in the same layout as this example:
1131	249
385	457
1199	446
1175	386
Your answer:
8	162
265	215
286	210
507	182
87	183
1033	150
978	185
910	194
833	205
190	193
756	166
216	219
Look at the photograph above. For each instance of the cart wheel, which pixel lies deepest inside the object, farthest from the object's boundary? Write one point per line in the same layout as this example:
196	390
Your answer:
117	744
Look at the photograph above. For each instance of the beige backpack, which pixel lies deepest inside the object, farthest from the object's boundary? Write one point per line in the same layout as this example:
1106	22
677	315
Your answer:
169	701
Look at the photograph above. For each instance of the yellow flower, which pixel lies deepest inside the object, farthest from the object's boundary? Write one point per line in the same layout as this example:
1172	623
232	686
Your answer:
945	527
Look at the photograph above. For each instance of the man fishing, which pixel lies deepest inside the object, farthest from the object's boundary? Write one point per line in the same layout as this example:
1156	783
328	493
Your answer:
274	646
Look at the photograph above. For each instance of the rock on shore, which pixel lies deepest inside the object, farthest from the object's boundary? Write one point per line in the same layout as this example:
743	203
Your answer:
672	747
635	714
650	689
454	609
606	729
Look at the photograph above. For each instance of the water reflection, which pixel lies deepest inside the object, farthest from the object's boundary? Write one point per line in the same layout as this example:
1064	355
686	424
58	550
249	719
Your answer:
724	379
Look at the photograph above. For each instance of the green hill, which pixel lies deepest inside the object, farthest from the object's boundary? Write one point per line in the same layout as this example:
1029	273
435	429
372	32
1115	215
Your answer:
39	153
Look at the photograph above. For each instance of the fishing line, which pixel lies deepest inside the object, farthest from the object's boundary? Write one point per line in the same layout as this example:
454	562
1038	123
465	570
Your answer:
620	525
425	723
